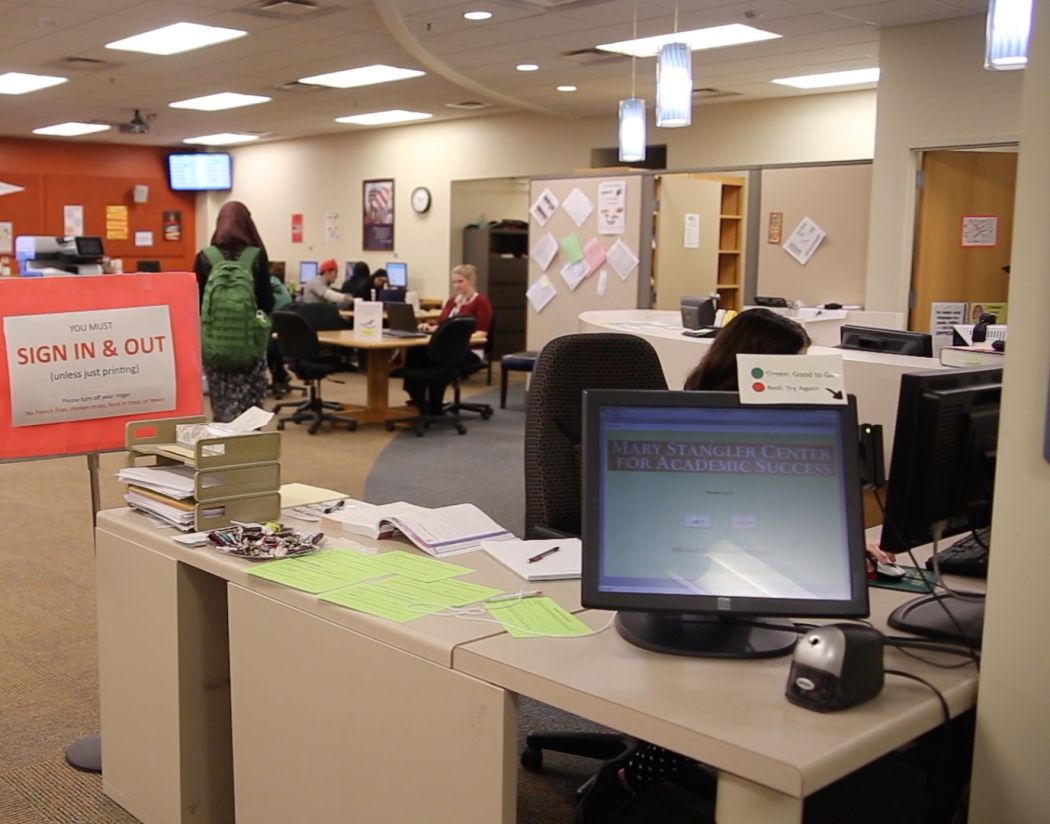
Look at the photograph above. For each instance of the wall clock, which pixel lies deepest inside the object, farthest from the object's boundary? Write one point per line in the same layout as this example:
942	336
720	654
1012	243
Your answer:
420	199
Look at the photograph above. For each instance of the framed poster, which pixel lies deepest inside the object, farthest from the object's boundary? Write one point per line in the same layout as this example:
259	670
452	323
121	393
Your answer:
378	203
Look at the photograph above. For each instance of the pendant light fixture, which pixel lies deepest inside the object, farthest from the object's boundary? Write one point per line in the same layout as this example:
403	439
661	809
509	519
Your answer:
674	84
1006	44
632	115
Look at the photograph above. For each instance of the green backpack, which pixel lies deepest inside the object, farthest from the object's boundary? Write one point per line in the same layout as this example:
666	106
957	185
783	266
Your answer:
234	331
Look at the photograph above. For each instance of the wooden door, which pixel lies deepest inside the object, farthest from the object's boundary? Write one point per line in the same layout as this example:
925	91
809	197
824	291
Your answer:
679	269
955	185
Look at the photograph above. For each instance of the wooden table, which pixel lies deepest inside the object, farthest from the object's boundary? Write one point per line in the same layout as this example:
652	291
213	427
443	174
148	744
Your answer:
378	353
421	314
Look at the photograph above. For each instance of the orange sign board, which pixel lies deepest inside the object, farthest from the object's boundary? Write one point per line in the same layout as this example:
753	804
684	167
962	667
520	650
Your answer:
81	356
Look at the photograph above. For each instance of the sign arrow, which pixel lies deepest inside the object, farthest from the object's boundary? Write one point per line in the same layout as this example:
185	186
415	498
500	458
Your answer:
835	393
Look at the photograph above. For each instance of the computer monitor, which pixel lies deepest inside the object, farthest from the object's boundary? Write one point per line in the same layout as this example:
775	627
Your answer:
770	301
349	270
890	341
391	295
88	247
703	516
307	271
697	312
942	476
148	266
397	274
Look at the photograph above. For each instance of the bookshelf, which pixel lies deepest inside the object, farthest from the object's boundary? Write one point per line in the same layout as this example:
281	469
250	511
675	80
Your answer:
731	244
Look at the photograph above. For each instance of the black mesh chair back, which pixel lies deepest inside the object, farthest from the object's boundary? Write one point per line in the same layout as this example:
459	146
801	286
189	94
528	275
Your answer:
565	367
450	343
322	316
296	336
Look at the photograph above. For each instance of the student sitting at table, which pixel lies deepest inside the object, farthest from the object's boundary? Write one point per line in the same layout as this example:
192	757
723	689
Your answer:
319	290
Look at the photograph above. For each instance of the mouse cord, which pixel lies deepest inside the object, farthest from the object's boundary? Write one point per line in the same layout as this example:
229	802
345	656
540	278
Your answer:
937	692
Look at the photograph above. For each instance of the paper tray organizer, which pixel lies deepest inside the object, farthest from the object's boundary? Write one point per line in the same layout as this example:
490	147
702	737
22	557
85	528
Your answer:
237	478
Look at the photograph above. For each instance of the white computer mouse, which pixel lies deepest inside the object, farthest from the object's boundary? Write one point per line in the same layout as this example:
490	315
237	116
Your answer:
891	571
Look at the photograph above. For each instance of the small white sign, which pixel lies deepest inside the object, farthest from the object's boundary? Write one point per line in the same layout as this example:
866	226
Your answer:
622	259
603	282
544	251
541	293
943	316
74	366
143	238
544	207
804	241
368	319
73	220
574	273
612	207
691	231
810	379
578	206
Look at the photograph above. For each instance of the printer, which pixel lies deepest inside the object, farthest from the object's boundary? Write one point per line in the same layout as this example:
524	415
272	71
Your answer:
40	255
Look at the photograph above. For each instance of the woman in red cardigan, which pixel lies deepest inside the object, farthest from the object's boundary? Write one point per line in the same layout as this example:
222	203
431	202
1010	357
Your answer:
465	301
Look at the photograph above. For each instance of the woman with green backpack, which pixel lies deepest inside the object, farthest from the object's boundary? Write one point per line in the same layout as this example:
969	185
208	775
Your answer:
233	274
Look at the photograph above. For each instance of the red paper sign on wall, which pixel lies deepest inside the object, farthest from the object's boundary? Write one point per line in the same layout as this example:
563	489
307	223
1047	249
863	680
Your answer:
82	356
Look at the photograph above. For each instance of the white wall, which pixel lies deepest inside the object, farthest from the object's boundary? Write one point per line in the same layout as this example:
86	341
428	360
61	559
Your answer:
933	91
479	201
1013	735
325	173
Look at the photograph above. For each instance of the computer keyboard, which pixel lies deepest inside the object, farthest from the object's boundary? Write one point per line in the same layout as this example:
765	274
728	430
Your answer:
966	556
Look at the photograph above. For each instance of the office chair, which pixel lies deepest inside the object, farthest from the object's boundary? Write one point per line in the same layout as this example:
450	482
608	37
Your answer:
325	317
439	366
472	367
564	368
298	342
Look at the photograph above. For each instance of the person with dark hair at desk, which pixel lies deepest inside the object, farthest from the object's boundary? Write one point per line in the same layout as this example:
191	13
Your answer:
359	276
615	788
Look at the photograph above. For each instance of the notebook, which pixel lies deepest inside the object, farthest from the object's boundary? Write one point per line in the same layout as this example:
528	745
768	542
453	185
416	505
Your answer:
553	566
401	321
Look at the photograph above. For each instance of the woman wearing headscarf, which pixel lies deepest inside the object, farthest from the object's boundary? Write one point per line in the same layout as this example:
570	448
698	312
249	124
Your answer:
235	389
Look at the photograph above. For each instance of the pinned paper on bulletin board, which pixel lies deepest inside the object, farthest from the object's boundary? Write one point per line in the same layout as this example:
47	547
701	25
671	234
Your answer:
116	223
80	357
810	379
622	259
578	206
804	241
593	254
544	251
541	293
544	207
570	245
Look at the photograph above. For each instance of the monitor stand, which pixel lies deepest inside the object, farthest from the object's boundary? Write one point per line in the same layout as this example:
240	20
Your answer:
706	636
928	616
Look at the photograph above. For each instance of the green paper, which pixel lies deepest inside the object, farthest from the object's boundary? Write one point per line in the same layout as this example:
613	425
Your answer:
532	617
402	599
320	571
417	567
570	244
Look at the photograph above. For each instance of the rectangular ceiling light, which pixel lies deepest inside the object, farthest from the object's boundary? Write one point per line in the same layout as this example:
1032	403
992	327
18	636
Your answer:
716	37
218	102
176	38
71	129
221	139
19	83
382	118
364	76
829	79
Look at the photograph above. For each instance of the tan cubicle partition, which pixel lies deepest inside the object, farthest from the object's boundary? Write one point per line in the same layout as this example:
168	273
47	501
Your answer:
685	255
560	315
836	198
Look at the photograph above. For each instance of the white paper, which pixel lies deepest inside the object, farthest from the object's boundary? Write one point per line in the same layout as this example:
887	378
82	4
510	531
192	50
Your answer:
143	238
544	207
943	316
691	230
611	207
574	273
7	239
804	241
578	206
541	293
810	379
10	188
603	282
622	259
514	554
980	230
73	366
544	251
368	319
177	482
73	220
249	420
331	226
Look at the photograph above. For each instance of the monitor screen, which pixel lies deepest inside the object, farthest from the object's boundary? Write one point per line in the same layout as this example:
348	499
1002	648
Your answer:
307	271
697	509
200	172
890	341
89	247
349	269
397	274
698	312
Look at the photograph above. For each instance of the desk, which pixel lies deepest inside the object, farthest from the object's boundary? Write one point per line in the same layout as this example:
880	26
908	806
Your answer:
304	711
421	315
301	710
378	353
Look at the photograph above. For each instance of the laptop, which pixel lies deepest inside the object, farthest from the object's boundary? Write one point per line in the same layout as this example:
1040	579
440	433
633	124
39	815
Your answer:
401	322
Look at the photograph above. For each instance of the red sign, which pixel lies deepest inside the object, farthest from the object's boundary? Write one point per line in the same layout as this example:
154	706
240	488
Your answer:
297	228
175	293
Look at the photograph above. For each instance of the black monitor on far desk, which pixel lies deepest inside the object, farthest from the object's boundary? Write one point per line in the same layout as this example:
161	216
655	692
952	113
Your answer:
888	341
397	274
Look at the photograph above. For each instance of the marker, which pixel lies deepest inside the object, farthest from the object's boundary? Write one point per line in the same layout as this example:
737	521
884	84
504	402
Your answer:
544	554
514	596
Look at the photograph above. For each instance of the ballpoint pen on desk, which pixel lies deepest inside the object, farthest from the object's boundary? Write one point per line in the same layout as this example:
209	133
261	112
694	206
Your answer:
335	507
514	596
540	556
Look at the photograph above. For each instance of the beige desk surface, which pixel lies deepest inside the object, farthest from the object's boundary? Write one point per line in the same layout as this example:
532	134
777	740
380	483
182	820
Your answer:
430	637
345	337
422	314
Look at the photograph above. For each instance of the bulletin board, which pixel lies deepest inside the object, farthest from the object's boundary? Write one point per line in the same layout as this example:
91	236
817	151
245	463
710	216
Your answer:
81	356
598	219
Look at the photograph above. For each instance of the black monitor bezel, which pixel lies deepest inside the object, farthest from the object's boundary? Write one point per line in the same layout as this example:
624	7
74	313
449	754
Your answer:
79	243
591	596
924	340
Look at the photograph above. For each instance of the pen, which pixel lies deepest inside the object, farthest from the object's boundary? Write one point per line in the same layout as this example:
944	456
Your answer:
543	554
335	507
514	596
